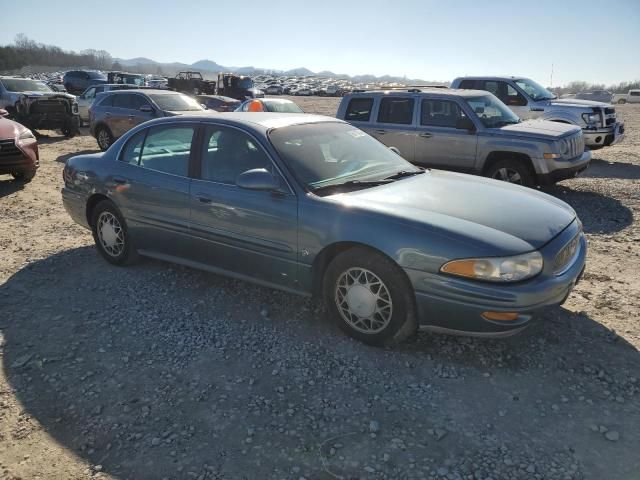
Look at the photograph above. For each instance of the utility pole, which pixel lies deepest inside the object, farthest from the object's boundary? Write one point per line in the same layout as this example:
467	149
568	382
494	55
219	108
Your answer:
551	81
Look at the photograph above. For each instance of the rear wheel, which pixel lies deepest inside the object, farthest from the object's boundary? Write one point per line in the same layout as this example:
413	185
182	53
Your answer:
111	235
621	101
104	138
512	171
369	297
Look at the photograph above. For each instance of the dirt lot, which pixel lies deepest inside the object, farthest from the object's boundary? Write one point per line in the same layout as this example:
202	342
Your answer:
157	371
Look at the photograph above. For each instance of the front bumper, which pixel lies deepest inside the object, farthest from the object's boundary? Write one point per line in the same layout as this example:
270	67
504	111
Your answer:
562	169
455	305
76	206
15	157
604	137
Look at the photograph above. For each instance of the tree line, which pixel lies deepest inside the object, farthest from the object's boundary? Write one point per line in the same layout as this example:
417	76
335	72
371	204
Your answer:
24	52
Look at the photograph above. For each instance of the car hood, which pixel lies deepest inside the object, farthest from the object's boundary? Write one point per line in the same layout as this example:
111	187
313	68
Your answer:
10	129
48	94
541	128
475	210
574	102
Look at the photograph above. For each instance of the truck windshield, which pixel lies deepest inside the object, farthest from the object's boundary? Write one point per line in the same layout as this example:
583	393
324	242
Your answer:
535	91
176	103
491	111
245	83
24	85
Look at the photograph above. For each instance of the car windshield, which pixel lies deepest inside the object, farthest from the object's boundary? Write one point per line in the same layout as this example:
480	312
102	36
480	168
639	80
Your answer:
327	154
535	91
24	85
282	107
176	102
245	83
491	111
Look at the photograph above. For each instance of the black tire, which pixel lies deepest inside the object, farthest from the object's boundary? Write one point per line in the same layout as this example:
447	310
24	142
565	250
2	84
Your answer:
622	101
24	176
123	252
104	137
512	171
395	294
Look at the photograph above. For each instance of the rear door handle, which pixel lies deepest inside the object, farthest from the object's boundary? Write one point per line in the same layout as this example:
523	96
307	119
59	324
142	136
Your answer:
381	132
119	180
425	135
202	198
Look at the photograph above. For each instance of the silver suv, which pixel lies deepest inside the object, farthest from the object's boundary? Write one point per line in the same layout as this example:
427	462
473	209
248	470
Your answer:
529	100
470	131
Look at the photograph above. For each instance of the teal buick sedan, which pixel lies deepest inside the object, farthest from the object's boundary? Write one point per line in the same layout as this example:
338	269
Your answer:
315	206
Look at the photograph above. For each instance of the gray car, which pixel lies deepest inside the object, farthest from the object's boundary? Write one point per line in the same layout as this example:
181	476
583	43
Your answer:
470	131
313	205
89	95
116	112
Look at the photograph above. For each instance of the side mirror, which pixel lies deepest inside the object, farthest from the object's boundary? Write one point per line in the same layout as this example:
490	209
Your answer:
465	123
395	150
3	113
258	179
146	109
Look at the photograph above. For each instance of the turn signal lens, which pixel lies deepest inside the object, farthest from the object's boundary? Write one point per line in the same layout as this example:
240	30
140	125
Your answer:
549	156
496	269
501	316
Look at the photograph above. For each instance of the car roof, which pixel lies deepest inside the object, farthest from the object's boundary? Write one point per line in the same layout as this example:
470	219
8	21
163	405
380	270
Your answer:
441	92
492	77
256	120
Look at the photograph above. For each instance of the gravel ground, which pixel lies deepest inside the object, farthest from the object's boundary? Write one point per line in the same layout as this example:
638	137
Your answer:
157	371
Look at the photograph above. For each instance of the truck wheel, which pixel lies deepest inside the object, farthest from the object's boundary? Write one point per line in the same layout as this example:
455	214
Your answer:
370	298
68	131
512	171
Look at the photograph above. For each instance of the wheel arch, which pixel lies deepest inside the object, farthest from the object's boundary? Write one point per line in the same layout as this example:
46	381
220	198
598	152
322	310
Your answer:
93	200
497	156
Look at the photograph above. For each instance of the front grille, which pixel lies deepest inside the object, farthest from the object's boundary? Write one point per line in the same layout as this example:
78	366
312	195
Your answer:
565	257
8	148
576	145
48	106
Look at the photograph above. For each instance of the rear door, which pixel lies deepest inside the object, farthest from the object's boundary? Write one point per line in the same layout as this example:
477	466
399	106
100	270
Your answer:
137	116
247	232
395	126
439	141
119	116
151	186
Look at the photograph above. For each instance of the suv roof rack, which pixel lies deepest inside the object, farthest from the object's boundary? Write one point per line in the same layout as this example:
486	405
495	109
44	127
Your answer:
408	88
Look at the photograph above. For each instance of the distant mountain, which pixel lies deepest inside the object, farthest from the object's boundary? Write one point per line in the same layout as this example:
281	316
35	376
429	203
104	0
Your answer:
209	67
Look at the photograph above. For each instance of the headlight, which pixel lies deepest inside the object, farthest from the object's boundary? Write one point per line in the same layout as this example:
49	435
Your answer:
26	135
496	269
591	118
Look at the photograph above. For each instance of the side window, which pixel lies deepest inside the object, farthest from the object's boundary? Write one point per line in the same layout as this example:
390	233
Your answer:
91	93
491	86
440	113
359	110
122	100
635	94
468	84
138	101
107	101
98	90
133	148
167	149
396	110
228	152
514	98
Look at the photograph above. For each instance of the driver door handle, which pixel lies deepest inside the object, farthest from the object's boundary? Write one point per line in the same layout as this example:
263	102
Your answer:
203	198
425	135
119	180
381	132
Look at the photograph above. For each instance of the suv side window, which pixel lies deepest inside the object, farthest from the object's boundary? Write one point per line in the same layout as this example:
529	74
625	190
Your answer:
91	93
468	84
396	110
123	101
359	110
107	101
167	149
138	101
440	113
634	94
228	152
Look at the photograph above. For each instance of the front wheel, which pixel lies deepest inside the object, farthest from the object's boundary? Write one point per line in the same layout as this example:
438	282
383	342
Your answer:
24	176
511	171
621	101
111	235
370	297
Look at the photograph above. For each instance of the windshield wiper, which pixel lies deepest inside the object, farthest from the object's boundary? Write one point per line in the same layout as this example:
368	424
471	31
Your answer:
351	183
403	173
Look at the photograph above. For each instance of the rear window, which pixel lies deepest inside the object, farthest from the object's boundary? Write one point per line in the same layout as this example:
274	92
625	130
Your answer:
359	110
468	84
396	110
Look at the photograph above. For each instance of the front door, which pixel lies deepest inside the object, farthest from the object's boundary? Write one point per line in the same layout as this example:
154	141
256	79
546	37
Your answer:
395	125
247	232
151	186
440	143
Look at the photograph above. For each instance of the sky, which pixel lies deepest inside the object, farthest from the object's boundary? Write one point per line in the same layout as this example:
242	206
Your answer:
588	40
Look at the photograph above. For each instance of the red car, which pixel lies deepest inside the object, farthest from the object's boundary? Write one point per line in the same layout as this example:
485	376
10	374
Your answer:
18	149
